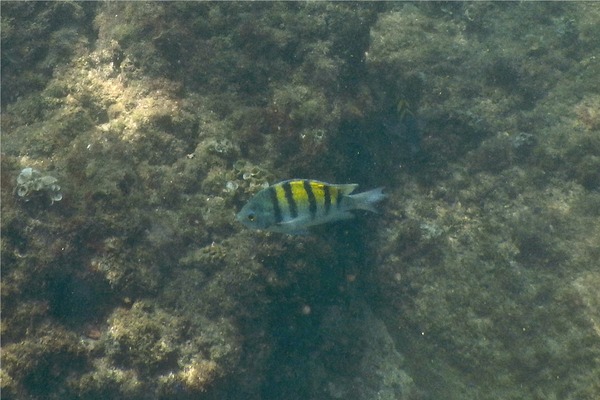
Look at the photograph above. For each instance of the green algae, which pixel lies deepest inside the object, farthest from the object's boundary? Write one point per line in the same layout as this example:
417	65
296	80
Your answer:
41	364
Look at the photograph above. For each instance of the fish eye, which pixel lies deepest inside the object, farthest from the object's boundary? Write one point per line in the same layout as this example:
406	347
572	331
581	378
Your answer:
251	217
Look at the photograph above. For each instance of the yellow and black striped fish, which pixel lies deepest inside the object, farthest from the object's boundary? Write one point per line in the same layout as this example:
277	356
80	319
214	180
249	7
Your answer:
293	206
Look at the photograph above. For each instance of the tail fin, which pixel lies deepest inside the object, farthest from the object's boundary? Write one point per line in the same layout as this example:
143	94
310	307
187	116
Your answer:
367	200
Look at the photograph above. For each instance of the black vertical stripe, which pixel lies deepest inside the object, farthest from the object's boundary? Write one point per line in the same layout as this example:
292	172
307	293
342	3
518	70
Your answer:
289	196
327	196
276	208
312	202
338	199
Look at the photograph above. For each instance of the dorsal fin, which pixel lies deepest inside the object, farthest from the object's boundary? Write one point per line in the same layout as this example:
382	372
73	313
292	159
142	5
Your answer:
347	188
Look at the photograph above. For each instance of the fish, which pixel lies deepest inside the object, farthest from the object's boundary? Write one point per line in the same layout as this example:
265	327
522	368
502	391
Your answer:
294	205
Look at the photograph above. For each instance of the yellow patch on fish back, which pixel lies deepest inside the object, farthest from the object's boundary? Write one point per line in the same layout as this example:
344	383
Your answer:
318	189
280	194
299	193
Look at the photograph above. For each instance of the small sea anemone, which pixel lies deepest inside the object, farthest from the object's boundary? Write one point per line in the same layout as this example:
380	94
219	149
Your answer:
31	182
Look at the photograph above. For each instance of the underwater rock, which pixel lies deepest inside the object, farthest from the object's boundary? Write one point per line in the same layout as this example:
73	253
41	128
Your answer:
373	366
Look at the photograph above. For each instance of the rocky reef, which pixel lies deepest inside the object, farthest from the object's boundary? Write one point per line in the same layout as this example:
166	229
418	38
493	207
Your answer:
133	132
